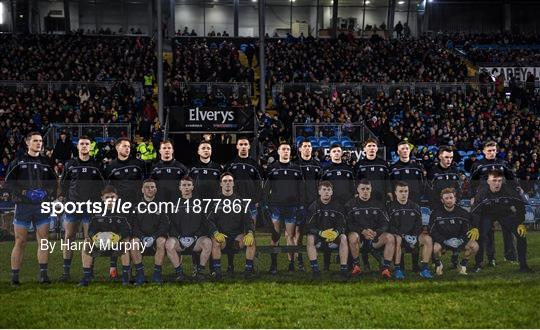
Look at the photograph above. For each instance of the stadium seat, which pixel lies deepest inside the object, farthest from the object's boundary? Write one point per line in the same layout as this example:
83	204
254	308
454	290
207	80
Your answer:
347	144
462	153
433	149
313	139
297	140
324	143
480	157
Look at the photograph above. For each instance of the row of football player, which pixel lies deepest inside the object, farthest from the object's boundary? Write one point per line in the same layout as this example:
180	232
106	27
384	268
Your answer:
361	225
31	179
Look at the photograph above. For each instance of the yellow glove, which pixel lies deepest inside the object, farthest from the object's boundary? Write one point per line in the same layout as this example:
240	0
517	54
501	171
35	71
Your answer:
473	234
522	230
220	238
334	235
95	238
327	234
249	239
115	238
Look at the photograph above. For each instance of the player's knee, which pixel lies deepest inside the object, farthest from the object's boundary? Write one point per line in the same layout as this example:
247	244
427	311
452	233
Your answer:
389	238
160	243
354	238
170	245
397	239
310	240
426	240
206	243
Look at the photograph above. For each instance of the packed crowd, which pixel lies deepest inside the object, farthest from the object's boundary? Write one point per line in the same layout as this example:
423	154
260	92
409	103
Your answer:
424	118
209	61
35	109
359	60
75	57
510	48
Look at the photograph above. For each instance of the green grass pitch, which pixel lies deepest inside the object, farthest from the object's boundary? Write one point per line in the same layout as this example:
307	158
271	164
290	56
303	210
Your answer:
495	298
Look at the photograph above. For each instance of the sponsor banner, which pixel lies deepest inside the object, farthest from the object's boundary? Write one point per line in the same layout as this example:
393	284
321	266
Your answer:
520	72
207	119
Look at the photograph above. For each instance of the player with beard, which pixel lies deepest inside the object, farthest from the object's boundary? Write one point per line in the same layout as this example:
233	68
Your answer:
126	175
450	226
248	178
205	172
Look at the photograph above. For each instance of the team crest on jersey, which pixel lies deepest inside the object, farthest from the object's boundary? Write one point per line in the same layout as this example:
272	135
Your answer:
412	214
24	166
332	215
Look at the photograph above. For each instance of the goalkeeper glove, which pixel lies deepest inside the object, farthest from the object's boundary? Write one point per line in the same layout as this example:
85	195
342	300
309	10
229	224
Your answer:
334	234
115	238
473	234
95	238
249	239
522	230
220	238
327	234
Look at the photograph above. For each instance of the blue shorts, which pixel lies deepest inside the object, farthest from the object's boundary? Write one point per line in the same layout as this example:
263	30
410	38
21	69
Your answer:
287	214
253	211
29	216
76	217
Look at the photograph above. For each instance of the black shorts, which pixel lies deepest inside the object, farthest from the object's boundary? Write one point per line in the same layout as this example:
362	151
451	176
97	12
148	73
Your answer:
231	245
368	244
321	244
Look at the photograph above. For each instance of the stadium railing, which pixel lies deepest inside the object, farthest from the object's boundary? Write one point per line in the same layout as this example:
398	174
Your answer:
372	89
25	85
101	133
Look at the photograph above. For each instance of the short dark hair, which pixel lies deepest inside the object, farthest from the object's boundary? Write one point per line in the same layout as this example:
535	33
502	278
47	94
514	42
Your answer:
283	143
303	140
335	145
242	137
186	178
364	182
445	149
29	135
326	183
401	184
166	141
496	174
490	143
120	140
402	142
224	174
203	141
109	189
370	140
85	137
149	180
